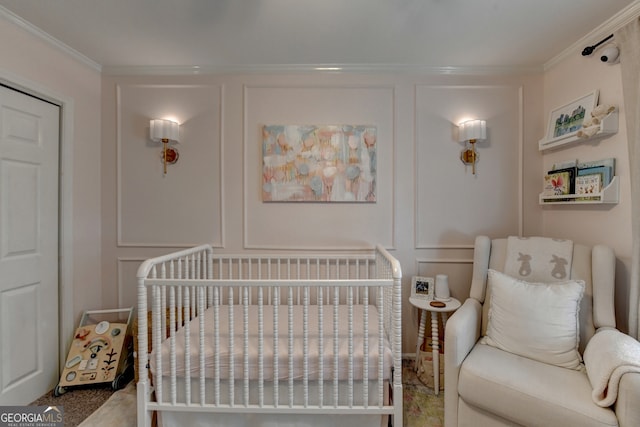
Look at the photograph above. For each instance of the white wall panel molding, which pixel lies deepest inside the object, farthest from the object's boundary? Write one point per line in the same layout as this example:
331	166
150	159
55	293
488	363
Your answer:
421	261
436	246
319	226
444	186
156	210
459	271
126	288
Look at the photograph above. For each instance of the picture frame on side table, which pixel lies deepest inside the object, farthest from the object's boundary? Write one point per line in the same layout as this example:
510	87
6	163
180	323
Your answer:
422	287
566	121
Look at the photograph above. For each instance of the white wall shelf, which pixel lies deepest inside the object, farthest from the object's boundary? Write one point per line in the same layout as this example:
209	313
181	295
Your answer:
608	127
609	195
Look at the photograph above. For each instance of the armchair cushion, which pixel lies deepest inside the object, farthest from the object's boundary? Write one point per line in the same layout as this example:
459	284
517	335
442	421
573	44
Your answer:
535	320
527	392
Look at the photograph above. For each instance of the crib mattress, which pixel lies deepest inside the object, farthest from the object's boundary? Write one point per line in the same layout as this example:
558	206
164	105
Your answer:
230	352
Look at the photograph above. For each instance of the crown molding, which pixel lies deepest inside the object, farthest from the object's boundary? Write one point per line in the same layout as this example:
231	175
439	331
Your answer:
37	32
610	26
319	68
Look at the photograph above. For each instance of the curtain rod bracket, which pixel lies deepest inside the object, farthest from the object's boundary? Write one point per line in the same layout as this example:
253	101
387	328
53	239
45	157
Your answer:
589	49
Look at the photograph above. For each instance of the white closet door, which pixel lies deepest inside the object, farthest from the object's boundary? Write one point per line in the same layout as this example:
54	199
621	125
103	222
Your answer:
29	148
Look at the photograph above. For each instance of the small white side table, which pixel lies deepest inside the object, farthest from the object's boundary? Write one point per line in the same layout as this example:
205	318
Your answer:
424	305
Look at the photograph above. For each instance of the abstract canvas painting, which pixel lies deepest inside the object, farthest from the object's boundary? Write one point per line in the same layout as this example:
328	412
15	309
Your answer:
319	163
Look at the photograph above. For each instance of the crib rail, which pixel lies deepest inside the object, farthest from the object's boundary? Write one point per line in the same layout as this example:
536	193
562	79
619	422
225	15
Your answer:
242	292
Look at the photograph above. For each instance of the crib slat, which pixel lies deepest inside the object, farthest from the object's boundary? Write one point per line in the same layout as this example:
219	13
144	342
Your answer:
163	303
260	348
320	349
216	339
305	345
381	309
155	314
209	276
365	373
245	334
180	316
336	343
276	354
187	346
350	322
172	354
179	295
232	378
290	342
201	346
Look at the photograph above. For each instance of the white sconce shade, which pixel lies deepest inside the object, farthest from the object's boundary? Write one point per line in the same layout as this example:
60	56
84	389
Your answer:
164	129
472	130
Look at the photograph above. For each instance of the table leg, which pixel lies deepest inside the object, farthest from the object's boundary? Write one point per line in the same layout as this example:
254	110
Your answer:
435	349
423	325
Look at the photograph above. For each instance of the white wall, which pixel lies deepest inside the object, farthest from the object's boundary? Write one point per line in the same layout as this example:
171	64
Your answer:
573	78
33	63
429	205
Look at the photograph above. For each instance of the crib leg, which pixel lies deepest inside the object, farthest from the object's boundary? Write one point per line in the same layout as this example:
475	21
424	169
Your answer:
144	415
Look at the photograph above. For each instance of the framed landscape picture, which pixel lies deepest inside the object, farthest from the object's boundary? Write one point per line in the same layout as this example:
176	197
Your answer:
566	121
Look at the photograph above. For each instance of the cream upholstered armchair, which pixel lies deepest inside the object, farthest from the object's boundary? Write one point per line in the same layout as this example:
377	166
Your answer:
547	353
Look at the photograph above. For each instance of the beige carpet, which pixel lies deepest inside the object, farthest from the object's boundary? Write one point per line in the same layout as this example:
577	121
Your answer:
78	402
422	408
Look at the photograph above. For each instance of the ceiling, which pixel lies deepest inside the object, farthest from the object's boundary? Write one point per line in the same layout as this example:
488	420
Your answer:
244	34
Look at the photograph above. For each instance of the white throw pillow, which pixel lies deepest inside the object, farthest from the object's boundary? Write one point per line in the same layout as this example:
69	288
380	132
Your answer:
536	320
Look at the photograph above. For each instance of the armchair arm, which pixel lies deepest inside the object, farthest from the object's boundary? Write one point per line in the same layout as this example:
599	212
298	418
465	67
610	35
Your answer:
461	333
626	407
612	361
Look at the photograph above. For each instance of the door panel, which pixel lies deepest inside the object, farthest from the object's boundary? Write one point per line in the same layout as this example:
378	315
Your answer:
19	359
29	146
20	200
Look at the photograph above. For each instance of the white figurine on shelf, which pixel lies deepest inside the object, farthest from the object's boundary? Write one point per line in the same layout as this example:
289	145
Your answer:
591	125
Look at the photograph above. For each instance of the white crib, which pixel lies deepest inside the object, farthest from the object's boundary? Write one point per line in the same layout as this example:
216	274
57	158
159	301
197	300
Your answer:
276	340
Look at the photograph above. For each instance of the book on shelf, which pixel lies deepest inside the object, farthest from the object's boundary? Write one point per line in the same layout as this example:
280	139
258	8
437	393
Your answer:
605	168
556	184
609	162
589	186
565	164
571	172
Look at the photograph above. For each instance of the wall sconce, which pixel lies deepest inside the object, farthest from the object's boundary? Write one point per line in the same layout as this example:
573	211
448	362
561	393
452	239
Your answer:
472	131
165	131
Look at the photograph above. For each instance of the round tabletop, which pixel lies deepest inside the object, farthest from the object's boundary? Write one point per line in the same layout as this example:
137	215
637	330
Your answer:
425	304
